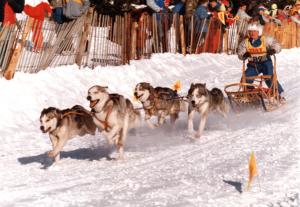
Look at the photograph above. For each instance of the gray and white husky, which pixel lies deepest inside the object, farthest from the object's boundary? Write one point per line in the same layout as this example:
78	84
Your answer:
160	102
63	125
204	101
113	114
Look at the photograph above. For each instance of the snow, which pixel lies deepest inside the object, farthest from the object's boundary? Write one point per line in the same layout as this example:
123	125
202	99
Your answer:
163	167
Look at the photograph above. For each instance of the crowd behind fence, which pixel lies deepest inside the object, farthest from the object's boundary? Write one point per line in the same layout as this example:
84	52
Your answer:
96	39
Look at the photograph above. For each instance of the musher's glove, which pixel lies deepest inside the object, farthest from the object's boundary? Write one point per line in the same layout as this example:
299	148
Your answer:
246	55
271	52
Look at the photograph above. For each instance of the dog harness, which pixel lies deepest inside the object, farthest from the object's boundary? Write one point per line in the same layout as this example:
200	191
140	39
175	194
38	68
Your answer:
105	122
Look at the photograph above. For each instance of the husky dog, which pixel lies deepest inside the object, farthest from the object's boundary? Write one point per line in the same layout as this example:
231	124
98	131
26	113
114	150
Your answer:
160	102
113	114
203	101
63	125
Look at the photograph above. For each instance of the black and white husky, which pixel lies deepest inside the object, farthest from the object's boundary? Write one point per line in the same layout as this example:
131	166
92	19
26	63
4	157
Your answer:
203	101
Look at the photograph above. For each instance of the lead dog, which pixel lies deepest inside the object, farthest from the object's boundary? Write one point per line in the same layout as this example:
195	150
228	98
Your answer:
113	114
203	101
63	125
160	102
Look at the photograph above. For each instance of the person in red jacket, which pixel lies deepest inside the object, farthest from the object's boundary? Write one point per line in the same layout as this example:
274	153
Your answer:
8	10
38	13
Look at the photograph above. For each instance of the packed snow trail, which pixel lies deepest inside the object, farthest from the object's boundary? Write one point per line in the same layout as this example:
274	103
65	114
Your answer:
163	167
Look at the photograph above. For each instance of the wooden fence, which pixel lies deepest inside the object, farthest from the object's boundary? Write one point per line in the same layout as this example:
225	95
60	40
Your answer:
97	39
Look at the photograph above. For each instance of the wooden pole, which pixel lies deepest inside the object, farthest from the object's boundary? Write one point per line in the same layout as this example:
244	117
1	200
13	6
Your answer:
192	35
84	37
10	71
182	36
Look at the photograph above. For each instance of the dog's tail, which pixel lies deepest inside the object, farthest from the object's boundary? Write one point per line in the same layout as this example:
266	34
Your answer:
219	99
217	95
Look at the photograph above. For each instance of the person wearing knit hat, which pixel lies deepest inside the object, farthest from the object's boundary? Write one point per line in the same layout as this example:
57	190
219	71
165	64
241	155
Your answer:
258	49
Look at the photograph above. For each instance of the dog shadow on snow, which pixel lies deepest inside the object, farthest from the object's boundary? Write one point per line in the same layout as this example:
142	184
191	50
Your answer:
79	154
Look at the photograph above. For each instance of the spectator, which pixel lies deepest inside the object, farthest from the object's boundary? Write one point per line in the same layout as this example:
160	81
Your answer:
258	49
8	10
201	15
57	11
230	19
274	10
261	15
273	14
242	14
179	7
72	9
214	6
157	5
295	13
37	10
201	11
281	15
190	7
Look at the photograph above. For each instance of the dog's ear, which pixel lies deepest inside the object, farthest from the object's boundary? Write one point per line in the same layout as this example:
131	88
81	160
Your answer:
58	113
102	88
147	85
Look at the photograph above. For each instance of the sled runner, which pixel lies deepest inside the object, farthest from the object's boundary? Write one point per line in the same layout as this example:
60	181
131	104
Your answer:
256	93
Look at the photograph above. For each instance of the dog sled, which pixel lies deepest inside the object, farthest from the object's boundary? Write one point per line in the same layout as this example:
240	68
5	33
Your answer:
243	94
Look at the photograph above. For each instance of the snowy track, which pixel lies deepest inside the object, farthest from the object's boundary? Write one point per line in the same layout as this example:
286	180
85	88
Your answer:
162	167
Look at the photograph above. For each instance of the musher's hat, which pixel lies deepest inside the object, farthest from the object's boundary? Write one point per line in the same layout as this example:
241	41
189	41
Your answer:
255	27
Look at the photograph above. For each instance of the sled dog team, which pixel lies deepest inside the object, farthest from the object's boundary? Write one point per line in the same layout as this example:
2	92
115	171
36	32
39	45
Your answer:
113	114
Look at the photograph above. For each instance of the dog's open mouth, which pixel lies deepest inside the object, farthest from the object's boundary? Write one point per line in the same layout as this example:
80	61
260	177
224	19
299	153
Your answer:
138	96
46	131
93	103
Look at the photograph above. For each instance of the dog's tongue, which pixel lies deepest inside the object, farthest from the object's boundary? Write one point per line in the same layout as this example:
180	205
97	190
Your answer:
93	103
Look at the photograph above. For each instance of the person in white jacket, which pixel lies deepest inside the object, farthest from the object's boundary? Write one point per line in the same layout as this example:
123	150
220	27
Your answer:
258	49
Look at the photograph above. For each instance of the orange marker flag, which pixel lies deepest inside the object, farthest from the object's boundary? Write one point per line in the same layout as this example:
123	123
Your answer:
177	85
252	168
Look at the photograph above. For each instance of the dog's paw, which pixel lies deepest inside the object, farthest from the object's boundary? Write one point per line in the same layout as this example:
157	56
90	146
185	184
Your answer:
197	135
191	132
51	153
120	158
